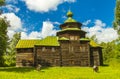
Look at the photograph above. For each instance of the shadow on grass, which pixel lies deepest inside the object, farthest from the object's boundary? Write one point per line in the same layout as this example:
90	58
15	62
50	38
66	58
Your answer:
105	65
20	69
17	69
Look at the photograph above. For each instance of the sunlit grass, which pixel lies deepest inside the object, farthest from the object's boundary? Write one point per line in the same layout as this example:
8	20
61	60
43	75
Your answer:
59	73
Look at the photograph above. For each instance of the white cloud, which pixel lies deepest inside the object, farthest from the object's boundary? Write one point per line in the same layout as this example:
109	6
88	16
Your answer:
44	5
12	1
32	35
14	22
11	8
102	34
86	22
69	0
24	35
107	35
47	30
10	33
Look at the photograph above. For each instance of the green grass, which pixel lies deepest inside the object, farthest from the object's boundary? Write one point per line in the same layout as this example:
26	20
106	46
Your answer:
59	73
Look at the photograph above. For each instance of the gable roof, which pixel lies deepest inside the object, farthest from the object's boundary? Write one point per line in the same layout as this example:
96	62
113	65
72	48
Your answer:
70	29
94	44
48	41
63	38
26	43
84	39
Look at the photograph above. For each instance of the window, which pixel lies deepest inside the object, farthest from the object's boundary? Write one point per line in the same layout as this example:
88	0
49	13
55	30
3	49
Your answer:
28	50
76	37
72	49
53	49
71	37
43	49
82	48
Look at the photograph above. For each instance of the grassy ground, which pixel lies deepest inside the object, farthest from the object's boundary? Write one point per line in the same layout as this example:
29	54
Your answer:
59	73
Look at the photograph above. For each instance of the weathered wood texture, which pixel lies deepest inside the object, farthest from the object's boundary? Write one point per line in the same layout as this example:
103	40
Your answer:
24	57
74	53
71	52
48	56
96	56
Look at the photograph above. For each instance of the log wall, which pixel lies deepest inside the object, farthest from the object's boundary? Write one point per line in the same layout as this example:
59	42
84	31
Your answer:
48	56
24	57
75	53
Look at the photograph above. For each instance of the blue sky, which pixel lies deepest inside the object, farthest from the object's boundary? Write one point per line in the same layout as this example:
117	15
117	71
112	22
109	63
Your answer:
41	18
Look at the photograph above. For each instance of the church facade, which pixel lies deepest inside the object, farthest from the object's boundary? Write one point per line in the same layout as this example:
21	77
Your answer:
69	47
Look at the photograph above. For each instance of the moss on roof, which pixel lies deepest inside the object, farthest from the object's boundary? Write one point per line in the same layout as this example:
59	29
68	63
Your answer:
71	29
63	38
93	44
69	14
84	39
48	41
70	19
26	43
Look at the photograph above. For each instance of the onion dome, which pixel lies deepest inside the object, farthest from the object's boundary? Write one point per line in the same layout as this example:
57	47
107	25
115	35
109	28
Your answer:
70	19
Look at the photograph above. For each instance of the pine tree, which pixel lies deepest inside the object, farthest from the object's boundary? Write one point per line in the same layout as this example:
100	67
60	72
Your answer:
10	56
3	39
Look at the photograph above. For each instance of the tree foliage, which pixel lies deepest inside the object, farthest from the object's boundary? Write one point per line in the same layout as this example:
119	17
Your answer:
111	51
10	56
2	2
3	39
116	23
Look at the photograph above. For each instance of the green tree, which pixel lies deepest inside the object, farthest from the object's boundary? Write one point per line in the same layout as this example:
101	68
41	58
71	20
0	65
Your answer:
3	39
108	51
2	2
10	56
116	23
111	52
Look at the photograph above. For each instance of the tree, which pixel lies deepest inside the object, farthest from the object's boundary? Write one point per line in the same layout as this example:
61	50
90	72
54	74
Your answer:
108	51
2	2
111	52
3	39
116	23
10	56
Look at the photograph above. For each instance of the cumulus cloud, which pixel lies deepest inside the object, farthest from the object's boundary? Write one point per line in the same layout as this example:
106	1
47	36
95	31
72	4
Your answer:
44	5
102	33
14	22
86	22
11	8
10	33
47	30
32	35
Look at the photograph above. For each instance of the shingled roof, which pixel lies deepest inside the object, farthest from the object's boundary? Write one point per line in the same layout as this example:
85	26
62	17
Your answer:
94	44
48	41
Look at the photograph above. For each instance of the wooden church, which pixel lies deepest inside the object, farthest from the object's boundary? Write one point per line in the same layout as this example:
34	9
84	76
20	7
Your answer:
69	47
